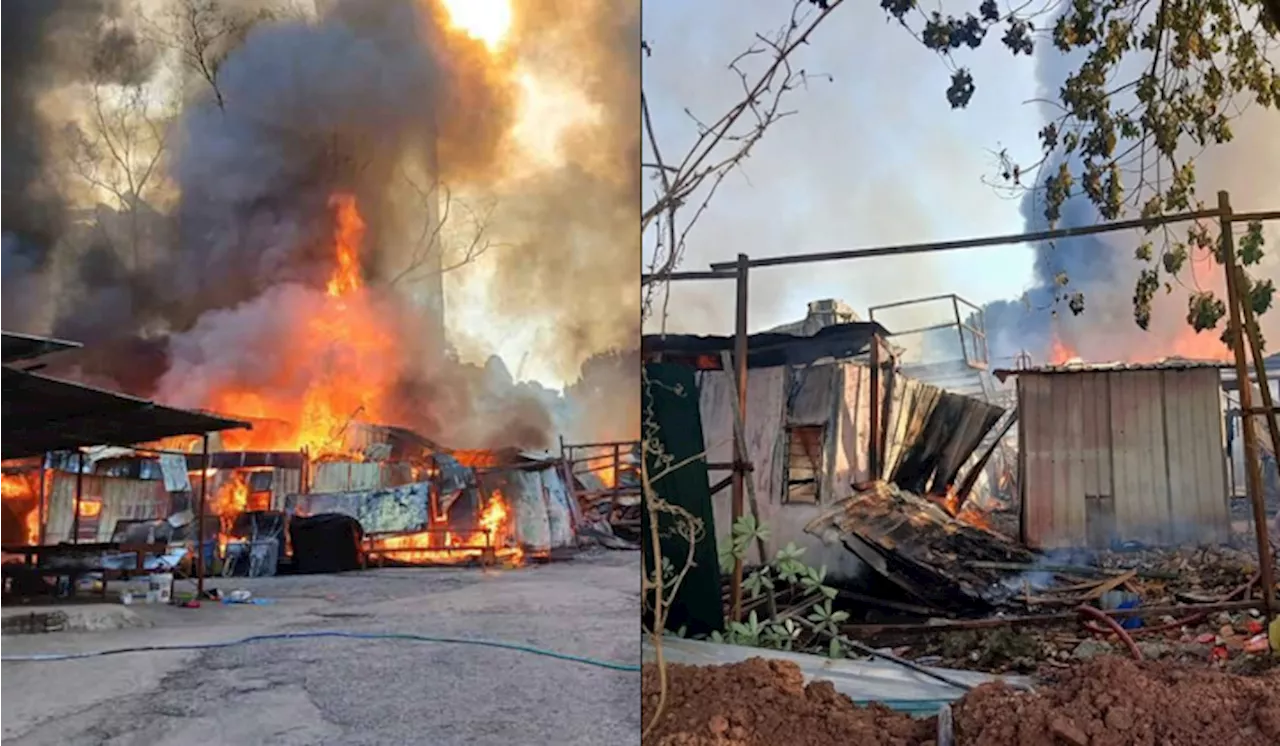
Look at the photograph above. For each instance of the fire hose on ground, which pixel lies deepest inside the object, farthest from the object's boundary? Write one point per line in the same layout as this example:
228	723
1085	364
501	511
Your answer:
293	636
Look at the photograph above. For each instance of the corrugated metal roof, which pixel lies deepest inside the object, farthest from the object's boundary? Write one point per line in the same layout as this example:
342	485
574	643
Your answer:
1082	367
15	347
767	349
48	414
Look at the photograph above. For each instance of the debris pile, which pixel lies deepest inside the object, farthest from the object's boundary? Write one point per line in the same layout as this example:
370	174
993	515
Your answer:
915	544
764	703
1119	702
1231	641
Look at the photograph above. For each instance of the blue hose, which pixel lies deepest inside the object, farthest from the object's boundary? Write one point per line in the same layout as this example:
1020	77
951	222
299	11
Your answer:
287	636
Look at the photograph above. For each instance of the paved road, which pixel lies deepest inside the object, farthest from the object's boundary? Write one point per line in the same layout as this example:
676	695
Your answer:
353	692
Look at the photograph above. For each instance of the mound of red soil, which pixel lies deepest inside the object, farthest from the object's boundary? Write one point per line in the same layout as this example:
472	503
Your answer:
1120	702
766	703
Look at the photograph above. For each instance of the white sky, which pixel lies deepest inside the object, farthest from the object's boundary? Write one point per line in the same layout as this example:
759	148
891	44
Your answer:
876	157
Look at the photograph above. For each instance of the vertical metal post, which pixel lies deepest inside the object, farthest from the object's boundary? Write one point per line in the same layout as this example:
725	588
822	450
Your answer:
873	447
617	469
1253	464
739	445
40	504
200	503
75	516
955	306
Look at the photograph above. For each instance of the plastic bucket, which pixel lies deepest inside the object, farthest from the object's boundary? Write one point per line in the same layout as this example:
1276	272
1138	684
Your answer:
161	587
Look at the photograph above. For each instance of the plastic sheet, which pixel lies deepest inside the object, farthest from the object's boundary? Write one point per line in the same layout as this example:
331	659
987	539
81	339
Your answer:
861	681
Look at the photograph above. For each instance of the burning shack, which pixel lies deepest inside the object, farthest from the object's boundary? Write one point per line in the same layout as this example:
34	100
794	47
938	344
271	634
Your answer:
826	412
1118	453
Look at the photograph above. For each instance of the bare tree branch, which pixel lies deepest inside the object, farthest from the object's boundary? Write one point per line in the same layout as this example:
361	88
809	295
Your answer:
119	149
693	178
429	256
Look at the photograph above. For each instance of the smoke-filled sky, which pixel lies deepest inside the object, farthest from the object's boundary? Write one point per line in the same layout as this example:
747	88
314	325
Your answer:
877	157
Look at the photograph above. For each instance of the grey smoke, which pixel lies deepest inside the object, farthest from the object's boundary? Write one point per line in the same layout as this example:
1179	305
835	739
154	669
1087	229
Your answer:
32	214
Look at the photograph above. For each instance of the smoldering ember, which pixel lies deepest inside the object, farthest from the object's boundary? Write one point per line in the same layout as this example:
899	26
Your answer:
295	289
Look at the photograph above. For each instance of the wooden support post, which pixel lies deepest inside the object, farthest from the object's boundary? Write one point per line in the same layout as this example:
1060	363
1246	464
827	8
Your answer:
615	488
740	352
1253	463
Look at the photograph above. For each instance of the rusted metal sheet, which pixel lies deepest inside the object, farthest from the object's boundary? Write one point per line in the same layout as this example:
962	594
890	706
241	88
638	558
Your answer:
929	433
120	499
1123	454
345	476
397	509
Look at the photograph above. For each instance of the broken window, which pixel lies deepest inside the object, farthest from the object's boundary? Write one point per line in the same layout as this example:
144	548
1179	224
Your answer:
804	463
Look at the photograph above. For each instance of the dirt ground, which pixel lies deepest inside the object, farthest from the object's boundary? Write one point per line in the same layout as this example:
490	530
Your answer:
1119	702
342	691
1108	701
765	703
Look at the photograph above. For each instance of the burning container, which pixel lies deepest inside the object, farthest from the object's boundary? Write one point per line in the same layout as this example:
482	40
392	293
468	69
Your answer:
1118	453
117	487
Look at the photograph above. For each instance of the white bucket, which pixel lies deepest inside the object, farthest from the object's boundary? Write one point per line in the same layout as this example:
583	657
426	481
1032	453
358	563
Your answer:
161	588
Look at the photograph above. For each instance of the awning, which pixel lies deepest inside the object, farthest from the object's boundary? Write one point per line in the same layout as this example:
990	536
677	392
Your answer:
42	414
15	347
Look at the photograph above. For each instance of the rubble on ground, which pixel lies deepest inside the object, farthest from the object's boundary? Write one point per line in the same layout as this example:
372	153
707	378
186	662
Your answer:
1229	641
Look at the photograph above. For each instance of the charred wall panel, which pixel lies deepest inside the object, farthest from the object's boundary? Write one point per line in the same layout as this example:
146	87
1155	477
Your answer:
120	499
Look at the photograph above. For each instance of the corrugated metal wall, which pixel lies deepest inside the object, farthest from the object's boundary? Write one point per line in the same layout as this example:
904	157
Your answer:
1132	455
122	499
348	476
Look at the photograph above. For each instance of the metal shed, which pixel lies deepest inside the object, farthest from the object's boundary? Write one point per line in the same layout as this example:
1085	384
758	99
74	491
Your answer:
1118	452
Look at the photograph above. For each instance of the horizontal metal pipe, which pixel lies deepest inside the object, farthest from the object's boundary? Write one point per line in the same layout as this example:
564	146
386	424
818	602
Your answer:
974	243
649	279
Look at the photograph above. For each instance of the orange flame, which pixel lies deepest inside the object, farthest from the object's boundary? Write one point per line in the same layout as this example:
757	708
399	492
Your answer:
232	500
20	493
348	236
1060	352
970	513
452	547
345	346
604	468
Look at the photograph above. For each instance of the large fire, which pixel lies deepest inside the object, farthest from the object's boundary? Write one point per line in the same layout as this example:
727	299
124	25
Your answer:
495	534
487	21
21	494
331	371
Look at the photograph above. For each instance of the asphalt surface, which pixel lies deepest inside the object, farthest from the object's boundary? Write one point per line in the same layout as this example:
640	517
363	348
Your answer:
354	692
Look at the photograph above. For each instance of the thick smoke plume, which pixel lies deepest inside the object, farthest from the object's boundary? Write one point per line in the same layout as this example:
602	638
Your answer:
1105	270
49	44
352	101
